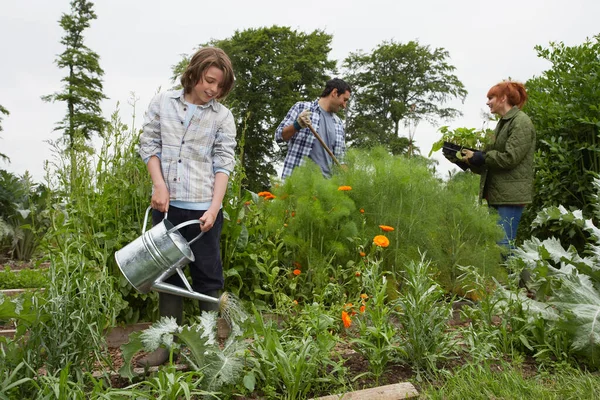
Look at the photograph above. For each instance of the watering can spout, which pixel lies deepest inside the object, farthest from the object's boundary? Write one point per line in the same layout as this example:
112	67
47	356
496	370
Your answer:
176	290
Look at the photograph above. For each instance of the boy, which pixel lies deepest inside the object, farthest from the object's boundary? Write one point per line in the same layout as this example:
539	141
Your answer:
188	144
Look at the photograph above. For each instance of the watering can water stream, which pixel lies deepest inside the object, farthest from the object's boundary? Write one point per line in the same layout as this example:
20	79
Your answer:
156	255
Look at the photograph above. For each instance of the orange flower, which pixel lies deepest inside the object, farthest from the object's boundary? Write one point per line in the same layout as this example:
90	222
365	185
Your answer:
362	309
295	302
345	188
364	296
293	213
386	228
348	305
247	203
362	210
297	272
346	319
357	273
381	241
264	194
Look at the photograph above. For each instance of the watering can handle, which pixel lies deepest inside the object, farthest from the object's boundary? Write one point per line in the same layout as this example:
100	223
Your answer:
146	218
181	225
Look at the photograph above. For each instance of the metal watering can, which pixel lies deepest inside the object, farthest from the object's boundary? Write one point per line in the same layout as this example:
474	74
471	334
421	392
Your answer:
156	255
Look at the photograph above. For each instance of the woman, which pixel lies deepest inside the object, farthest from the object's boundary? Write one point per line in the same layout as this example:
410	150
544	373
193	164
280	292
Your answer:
506	165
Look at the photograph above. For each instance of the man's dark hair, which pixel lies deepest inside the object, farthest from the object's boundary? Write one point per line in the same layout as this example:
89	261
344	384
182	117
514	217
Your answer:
336	83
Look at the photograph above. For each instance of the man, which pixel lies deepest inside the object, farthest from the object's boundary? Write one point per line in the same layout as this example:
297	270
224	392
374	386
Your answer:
321	114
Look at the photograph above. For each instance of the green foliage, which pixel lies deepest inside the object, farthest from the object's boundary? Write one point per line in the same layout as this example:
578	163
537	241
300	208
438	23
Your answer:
216	367
464	137
503	380
79	304
399	83
27	278
563	105
82	91
24	215
270	63
424	314
378	339
108	194
292	363
567	281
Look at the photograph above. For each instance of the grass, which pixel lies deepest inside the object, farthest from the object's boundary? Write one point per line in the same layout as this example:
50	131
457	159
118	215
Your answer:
504	380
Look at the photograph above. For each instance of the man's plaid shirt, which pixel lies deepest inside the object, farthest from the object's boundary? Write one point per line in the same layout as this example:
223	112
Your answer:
301	143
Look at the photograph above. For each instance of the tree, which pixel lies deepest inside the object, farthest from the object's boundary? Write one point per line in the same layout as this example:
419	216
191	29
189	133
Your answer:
564	105
398	84
274	68
5	112
82	90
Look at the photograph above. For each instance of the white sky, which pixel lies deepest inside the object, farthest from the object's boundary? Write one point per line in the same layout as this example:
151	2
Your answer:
139	41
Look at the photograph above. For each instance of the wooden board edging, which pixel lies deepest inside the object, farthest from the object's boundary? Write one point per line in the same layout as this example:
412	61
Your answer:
396	391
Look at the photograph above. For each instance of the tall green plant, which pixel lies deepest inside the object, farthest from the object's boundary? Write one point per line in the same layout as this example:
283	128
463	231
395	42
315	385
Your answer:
82	92
563	105
79	304
107	199
424	314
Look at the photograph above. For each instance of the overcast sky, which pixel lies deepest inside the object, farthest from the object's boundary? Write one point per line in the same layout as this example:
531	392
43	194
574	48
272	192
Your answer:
139	41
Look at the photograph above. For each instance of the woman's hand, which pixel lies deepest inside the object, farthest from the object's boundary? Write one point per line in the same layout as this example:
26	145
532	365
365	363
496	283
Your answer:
466	153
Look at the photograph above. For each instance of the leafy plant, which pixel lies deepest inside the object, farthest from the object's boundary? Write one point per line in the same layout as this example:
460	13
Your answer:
567	281
464	137
378	340
217	366
563	105
285	364
27	278
424	314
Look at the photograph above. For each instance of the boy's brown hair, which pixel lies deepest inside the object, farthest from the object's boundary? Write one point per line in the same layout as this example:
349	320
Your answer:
201	61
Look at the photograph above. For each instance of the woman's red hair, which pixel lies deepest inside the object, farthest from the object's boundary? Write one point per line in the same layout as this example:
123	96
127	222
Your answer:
514	91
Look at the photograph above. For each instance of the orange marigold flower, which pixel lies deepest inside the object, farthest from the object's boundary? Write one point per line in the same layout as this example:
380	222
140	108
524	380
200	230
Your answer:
345	188
362	254
264	194
297	272
362	309
381	241
364	296
247	203
357	273
269	197
386	228
295	302
346	319
293	213
362	210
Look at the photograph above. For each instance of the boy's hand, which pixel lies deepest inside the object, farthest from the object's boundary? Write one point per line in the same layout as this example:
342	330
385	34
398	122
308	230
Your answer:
207	220
304	118
160	198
